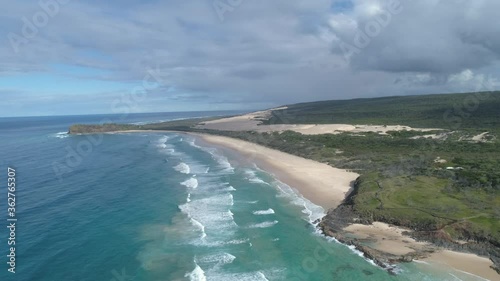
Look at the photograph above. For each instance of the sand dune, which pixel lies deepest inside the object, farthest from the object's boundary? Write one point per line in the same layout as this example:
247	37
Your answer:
253	122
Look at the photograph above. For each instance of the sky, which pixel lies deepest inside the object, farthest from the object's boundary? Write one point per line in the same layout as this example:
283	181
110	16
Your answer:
65	57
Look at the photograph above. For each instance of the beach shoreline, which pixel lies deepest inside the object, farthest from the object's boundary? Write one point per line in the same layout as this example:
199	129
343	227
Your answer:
299	173
320	183
313	180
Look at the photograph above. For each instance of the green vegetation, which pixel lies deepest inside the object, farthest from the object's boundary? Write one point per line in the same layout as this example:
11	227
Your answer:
403	182
430	203
391	155
446	111
177	125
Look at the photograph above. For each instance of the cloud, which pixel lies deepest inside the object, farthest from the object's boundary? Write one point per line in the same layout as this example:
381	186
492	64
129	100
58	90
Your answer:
423	36
263	53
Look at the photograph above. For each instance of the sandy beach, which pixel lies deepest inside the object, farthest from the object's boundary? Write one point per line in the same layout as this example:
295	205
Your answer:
320	183
469	263
390	239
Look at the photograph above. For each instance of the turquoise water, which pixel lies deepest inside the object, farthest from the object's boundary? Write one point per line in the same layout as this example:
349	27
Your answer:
151	206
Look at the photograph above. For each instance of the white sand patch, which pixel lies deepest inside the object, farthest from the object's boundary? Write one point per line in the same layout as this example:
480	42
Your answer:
480	137
439	160
442	136
253	122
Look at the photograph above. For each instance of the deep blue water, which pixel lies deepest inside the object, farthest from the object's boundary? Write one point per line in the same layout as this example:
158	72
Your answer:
159	206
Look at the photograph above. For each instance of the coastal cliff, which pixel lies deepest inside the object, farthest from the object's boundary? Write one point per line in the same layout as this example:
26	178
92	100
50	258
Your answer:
431	238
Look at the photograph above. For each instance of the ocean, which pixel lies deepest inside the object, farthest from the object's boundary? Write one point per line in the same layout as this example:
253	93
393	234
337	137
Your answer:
161	206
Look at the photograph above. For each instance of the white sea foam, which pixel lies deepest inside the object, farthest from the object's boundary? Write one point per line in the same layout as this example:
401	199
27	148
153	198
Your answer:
164	147
193	144
265	224
262	276
229	189
61	135
200	226
191	183
224	243
183	168
313	211
197	274
217	259
252	177
216	202
195	167
247	202
250	276
214	215
163	139
264	212
224	163
359	253
222	160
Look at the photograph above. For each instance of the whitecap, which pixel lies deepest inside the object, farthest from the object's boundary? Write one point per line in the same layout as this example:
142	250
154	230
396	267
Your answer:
252	177
61	135
163	139
200	226
197	274
218	259
221	160
229	242
313	211
265	224
183	168
264	212
229	189
192	143
214	215
191	183
250	276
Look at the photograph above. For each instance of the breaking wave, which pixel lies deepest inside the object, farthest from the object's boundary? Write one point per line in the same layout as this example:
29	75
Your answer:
264	212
